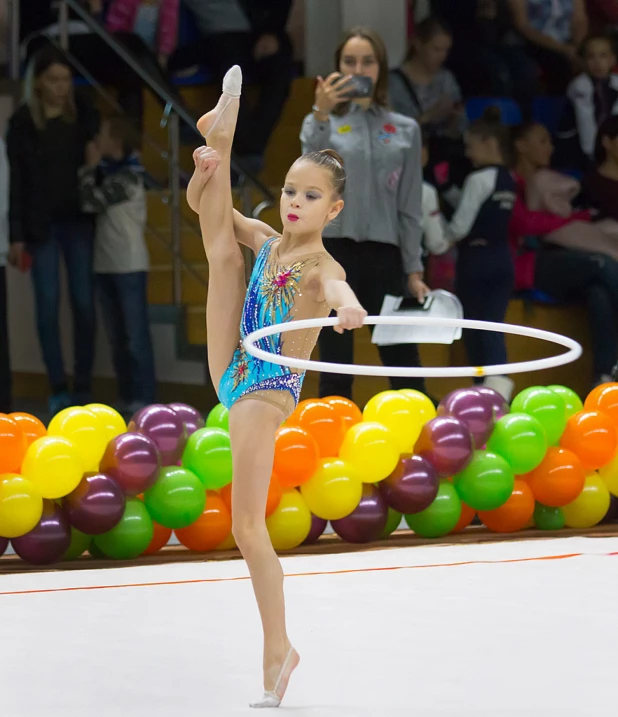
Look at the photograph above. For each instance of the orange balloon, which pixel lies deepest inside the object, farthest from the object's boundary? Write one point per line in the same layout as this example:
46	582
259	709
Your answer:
30	425
13	445
347	409
159	539
210	529
558	480
591	435
604	398
296	456
322	422
275	491
515	514
467	516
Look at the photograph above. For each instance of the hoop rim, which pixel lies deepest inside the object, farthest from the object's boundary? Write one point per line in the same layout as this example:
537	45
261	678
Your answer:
573	353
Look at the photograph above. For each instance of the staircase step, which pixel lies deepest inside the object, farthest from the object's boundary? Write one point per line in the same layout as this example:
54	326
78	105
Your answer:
196	325
161	285
191	247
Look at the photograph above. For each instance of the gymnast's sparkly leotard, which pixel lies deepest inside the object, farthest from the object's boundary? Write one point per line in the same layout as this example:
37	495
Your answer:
276	293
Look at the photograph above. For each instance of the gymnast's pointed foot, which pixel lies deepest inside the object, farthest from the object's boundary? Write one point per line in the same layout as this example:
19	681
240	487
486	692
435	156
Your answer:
273	698
217	126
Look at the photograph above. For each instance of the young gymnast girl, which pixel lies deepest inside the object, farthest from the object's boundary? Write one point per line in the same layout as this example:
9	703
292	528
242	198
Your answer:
293	278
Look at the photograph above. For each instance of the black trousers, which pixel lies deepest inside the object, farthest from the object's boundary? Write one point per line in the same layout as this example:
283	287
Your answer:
109	69
5	364
373	270
570	275
272	75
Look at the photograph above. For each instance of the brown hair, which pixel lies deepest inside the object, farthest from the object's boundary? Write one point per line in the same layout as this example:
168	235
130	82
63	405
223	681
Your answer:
333	163
426	30
38	65
380	92
596	37
125	131
490	126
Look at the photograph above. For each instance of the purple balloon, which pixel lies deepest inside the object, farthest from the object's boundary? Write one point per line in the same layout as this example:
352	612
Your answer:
191	417
96	505
412	486
472	408
447	444
367	522
318	526
4	544
500	404
163	426
49	540
133	461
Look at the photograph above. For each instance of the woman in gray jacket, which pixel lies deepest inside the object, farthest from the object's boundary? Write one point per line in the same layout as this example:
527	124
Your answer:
377	237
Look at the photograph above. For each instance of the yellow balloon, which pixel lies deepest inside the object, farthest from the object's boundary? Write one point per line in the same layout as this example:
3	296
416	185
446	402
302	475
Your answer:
371	450
333	491
290	524
114	423
591	506
86	432
422	402
609	473
398	412
54	466
21	506
228	544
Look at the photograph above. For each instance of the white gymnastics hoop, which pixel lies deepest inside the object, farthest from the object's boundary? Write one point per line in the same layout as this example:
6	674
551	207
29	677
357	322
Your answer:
573	353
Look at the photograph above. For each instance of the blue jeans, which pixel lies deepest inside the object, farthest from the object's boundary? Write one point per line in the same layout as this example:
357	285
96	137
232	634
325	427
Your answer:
125	314
74	239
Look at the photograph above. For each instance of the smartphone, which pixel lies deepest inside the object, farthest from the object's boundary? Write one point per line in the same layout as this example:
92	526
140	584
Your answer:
411	302
360	86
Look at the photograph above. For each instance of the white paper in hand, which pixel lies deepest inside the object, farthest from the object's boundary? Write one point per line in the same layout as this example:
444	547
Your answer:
440	304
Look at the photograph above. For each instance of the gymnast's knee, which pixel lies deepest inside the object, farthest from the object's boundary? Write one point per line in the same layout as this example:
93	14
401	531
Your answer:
225	255
249	532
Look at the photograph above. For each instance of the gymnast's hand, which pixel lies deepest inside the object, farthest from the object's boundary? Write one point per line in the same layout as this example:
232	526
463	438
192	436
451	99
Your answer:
350	317
206	162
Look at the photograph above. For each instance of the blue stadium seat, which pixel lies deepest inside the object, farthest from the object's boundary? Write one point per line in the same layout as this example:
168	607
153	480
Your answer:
511	113
548	110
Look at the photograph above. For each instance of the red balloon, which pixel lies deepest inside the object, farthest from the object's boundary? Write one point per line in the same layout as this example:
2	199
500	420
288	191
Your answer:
447	444
467	516
133	461
592	436
515	514
159	540
296	456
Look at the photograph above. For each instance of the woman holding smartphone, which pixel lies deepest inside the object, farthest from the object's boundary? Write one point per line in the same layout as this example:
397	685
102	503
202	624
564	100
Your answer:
377	237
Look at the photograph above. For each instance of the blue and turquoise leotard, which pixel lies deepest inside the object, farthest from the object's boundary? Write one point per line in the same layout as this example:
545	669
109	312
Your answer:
276	294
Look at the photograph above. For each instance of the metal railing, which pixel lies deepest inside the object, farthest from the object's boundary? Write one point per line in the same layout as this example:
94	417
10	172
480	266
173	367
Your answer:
173	114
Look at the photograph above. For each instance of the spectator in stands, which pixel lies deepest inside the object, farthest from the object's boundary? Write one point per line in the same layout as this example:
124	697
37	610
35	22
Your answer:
114	190
107	67
553	31
564	274
249	33
377	237
434	236
593	98
600	185
484	273
5	363
422	88
46	141
155	21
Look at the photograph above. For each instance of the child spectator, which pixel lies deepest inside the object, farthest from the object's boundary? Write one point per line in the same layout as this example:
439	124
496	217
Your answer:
155	21
5	365
600	185
112	186
434	238
484	274
593	95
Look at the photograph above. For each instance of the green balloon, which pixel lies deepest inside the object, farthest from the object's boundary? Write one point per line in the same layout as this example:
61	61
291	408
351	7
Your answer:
546	518
131	536
520	439
572	401
208	454
80	542
392	522
96	552
219	417
486	482
177	499
547	407
440	517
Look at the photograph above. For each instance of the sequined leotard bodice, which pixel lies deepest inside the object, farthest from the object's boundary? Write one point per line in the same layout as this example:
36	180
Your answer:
277	293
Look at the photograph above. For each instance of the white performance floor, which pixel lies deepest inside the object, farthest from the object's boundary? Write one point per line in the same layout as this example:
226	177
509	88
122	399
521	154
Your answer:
471	630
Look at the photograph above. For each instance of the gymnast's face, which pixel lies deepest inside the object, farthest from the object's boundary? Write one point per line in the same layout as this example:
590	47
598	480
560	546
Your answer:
308	199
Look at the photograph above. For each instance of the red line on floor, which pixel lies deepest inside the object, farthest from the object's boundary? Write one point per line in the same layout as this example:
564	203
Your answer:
301	575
